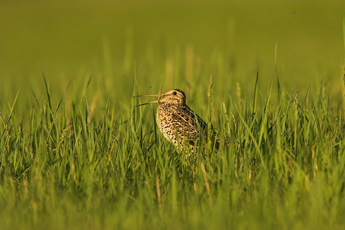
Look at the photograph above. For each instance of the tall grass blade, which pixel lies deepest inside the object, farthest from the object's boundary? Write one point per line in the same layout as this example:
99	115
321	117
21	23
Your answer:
48	93
257	147
57	108
12	108
255	90
276	71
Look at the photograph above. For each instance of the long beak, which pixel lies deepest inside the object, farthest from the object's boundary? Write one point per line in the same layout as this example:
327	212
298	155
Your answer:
152	102
151	95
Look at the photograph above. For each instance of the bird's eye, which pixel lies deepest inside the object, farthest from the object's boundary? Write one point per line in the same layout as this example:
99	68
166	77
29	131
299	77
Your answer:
174	93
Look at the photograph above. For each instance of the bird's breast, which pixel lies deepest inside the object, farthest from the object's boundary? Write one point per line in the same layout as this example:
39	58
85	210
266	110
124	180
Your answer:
165	122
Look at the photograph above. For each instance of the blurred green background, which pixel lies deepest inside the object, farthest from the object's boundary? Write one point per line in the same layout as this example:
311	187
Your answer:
176	44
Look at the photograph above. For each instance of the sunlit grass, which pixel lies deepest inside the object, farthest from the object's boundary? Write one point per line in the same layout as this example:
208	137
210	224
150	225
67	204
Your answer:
284	168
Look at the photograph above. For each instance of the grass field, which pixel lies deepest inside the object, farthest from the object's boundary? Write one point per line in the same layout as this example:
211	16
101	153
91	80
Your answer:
76	154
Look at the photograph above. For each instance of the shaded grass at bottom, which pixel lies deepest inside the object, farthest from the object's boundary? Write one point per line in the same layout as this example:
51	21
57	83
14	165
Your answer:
284	169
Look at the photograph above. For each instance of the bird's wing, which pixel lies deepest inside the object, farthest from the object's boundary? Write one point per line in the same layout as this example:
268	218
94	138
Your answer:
187	122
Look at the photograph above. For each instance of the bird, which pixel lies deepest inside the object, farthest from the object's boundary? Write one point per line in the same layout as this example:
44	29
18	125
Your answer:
179	124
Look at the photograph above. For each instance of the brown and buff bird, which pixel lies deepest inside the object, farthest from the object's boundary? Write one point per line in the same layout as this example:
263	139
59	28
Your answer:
178	123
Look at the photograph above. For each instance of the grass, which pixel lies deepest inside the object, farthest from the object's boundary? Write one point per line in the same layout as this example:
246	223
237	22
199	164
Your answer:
284	169
75	153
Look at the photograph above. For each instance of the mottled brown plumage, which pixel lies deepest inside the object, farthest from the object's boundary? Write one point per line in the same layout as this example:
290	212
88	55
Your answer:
178	123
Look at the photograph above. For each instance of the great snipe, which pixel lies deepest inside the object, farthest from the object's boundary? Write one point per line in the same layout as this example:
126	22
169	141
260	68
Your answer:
178	123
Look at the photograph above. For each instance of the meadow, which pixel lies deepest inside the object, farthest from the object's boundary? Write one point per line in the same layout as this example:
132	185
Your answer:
75	152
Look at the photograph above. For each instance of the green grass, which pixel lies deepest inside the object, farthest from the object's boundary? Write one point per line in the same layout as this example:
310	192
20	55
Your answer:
67	169
75	153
